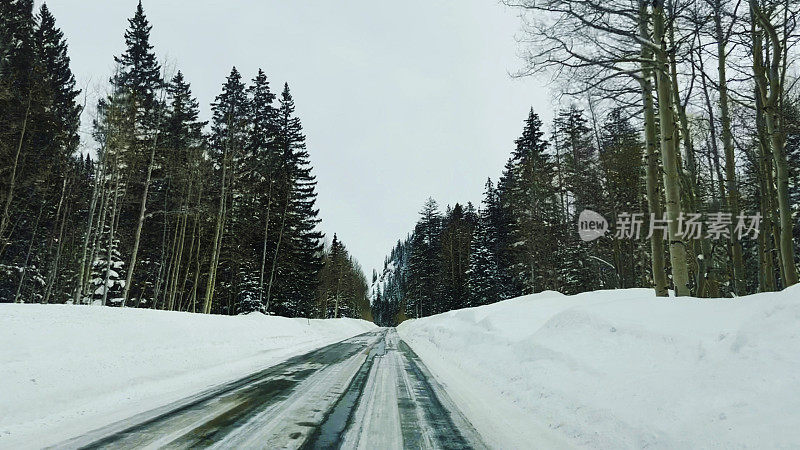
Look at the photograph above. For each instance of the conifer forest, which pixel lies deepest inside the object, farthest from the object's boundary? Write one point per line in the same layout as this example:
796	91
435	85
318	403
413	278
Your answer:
166	211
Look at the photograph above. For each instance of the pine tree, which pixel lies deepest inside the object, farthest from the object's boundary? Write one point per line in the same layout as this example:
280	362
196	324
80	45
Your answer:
298	250
51	49
577	167
391	288
107	279
485	282
140	73
343	287
263	163
135	85
424	263
575	148
622	170
529	194
227	145
457	229
498	229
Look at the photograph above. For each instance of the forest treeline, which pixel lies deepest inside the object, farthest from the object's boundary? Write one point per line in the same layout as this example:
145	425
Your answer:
166	211
672	108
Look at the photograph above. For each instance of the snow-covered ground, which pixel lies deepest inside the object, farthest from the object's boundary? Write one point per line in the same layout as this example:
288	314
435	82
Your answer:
622	369
66	370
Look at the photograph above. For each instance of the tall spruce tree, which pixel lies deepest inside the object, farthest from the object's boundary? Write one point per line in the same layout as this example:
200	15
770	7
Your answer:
528	192
263	161
140	73
457	228
484	279
51	50
298	250
227	148
424	263
580	189
622	169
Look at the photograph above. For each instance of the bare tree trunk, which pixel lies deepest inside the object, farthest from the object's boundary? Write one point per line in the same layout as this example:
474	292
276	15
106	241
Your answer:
769	80
264	249
195	236
212	269
766	267
98	174
178	256
54	269
28	255
699	247
140	222
669	156
653	188
111	232
714	162
278	245
160	278
59	248
13	180
732	194
102	215
338	291
196	272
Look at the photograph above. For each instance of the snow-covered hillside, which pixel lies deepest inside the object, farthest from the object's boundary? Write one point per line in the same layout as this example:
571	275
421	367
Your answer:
65	370
622	369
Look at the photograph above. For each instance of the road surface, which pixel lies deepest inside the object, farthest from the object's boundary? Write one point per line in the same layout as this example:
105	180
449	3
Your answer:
368	392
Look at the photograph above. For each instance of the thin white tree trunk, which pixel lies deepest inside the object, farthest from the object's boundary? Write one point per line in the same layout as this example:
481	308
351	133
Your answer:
669	156
13	180
264	248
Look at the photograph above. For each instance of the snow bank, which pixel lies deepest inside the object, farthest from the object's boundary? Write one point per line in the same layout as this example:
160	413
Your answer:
65	370
622	369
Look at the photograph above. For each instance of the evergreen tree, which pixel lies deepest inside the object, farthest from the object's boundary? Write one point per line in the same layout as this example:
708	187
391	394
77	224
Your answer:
529	194
424	264
579	189
229	132
140	74
51	49
623	173
298	250
577	157
107	279
343	286
485	282
391	288
498	230
457	229
261	176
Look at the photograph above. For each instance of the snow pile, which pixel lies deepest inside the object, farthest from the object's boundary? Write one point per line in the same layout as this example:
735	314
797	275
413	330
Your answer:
66	370
622	369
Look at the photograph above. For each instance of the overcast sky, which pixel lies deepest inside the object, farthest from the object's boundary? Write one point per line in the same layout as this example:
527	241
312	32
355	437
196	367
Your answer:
399	100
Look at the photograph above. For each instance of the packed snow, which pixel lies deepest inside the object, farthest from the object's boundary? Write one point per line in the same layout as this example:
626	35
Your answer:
622	369
67	370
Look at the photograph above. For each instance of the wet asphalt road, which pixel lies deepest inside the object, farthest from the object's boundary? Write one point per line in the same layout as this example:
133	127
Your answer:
370	391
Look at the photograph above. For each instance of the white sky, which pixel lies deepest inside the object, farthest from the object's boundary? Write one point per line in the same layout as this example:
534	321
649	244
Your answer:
399	100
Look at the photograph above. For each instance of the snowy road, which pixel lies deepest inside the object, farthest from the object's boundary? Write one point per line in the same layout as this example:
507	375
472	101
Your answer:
369	391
